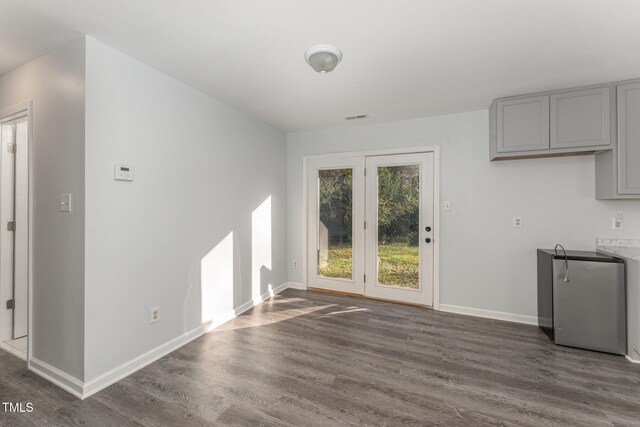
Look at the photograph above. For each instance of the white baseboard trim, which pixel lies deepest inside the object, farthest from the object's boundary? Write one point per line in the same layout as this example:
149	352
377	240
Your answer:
133	365
632	360
151	356
56	376
297	285
14	351
265	296
490	314
84	390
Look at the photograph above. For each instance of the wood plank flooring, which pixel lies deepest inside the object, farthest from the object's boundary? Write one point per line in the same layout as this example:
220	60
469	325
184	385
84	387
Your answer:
313	359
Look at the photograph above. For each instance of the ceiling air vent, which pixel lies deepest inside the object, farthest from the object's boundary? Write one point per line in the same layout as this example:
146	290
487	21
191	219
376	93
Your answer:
356	117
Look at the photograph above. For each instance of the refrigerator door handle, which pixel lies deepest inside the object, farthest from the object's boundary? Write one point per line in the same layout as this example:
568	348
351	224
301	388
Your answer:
566	261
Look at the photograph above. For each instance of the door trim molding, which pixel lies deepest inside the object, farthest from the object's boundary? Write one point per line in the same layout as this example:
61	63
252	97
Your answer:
435	149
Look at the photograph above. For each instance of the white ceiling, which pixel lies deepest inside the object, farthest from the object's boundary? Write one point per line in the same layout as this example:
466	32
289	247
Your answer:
26	34
402	58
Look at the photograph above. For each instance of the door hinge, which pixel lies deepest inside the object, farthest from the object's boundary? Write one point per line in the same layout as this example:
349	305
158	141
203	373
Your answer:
365	225
11	226
365	278
11	304
365	171
11	147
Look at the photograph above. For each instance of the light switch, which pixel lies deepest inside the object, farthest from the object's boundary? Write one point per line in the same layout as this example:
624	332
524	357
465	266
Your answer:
65	202
123	173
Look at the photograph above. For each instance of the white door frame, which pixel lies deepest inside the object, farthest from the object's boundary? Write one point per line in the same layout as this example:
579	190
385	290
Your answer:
25	109
435	149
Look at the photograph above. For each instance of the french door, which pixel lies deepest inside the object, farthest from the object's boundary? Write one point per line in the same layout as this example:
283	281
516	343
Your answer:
335	223
370	226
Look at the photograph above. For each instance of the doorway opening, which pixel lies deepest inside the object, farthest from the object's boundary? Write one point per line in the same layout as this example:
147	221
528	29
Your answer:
14	231
372	224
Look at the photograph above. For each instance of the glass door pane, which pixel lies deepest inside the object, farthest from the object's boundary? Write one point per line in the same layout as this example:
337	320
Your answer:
335	225
398	226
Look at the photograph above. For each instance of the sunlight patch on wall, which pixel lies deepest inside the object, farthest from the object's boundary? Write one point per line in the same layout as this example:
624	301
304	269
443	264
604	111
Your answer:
217	280
261	250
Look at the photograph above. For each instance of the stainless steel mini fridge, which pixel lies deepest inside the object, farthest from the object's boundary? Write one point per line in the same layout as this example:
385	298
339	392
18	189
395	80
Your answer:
582	299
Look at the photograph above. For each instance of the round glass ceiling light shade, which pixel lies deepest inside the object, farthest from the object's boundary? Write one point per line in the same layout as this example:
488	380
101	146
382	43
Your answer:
323	58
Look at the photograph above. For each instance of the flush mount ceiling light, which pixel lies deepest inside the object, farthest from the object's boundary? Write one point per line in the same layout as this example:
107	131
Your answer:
323	58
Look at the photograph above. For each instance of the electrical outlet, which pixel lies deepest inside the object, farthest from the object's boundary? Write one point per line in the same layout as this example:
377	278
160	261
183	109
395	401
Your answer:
155	314
517	222
618	221
447	205
295	263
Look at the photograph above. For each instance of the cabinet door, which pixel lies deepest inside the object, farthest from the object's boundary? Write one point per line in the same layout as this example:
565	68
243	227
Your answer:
523	124
629	138
581	118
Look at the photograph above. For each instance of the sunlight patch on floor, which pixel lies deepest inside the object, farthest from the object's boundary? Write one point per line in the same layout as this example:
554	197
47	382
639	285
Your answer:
257	318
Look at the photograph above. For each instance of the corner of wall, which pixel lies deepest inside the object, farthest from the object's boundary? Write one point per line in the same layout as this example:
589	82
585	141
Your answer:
54	85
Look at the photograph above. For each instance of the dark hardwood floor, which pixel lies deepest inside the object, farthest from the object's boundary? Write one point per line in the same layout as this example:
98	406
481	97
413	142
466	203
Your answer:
312	359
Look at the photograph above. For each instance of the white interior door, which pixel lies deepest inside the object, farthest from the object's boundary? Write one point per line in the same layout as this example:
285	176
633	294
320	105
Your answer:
21	255
14	238
399	227
7	197
335	219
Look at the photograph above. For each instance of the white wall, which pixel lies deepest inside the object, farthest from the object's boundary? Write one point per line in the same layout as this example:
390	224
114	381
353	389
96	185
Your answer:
55	84
485	263
199	231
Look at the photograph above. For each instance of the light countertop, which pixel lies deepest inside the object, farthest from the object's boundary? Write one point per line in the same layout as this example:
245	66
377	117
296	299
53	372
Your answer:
626	248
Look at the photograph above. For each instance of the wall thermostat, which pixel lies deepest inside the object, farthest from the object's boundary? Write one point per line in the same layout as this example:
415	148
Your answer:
123	173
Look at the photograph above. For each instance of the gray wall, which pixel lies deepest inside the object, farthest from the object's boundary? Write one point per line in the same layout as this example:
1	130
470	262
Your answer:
485	263
56	85
192	233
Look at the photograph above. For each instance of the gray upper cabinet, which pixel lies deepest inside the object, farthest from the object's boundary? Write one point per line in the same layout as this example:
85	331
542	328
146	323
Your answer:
523	124
618	170
629	138
602	119
581	118
564	122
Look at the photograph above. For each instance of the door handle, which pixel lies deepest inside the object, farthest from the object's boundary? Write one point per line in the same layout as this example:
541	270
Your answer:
428	240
